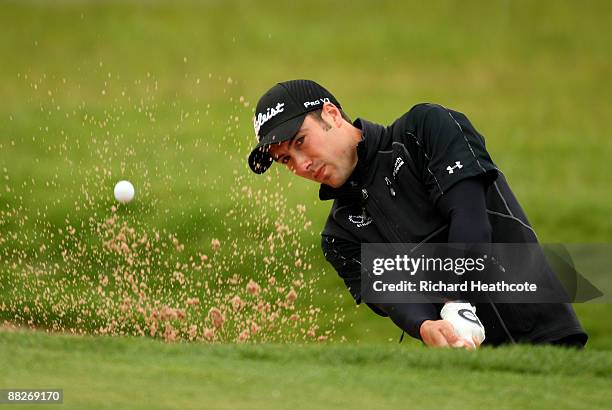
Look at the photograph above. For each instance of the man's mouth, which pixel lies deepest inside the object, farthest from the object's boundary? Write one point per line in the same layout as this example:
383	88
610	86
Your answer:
319	173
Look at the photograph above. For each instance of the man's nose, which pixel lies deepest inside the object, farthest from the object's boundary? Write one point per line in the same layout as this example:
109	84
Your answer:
303	165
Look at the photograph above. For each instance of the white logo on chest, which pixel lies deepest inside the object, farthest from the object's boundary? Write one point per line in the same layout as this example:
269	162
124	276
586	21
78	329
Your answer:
360	220
451	170
398	164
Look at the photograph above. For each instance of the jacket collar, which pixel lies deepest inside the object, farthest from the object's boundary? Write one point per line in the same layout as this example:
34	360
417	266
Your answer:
372	137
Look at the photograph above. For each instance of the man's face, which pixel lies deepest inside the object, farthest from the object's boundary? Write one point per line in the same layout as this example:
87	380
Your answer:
321	152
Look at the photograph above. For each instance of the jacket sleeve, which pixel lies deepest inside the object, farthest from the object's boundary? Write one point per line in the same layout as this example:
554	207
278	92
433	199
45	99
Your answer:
464	206
345	257
452	148
410	316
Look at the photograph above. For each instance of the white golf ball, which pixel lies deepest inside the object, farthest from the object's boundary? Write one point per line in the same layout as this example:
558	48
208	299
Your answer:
124	191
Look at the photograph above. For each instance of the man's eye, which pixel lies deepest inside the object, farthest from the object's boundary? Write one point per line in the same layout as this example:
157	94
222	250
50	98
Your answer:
284	160
299	141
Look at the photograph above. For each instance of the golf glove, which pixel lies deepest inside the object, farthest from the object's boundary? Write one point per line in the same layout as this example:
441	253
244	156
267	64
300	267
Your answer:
463	317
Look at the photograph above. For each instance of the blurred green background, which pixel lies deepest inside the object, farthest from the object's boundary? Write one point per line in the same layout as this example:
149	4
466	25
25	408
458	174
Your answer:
162	94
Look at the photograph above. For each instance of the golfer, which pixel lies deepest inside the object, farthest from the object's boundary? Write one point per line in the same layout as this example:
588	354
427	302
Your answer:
426	177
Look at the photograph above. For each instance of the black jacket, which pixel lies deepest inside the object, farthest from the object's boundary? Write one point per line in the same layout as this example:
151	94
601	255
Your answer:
403	170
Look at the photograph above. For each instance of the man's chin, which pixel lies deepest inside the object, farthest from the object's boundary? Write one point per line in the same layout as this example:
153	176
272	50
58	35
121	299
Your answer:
334	183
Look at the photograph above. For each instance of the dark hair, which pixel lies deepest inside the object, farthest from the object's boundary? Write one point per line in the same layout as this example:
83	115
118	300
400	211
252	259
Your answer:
316	115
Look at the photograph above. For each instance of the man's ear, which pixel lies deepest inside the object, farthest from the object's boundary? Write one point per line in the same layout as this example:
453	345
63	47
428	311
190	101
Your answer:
331	114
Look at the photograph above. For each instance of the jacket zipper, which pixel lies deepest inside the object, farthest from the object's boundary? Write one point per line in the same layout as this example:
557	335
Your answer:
380	216
390	186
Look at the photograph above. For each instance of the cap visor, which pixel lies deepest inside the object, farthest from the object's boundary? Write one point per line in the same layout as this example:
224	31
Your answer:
259	159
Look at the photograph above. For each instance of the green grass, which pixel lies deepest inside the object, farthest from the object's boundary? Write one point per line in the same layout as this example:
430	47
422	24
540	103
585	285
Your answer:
108	372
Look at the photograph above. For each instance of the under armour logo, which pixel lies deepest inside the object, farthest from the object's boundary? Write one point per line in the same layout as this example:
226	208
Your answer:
451	170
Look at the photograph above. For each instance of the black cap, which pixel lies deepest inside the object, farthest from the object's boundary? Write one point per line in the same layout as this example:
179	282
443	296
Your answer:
280	113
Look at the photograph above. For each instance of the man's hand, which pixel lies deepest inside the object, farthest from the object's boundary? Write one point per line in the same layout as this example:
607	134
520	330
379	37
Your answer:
462	316
441	333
